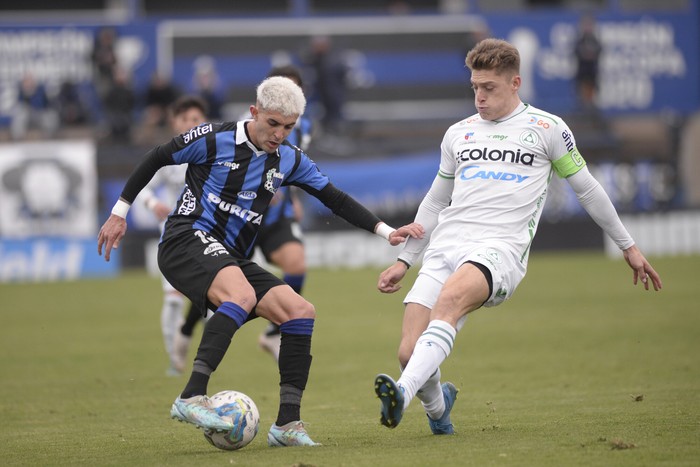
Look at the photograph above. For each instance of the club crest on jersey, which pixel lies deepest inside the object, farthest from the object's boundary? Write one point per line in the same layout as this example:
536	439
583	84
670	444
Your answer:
529	138
274	180
468	135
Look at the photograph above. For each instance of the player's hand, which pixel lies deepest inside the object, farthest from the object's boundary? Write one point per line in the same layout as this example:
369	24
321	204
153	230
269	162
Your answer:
400	235
110	235
390	278
641	267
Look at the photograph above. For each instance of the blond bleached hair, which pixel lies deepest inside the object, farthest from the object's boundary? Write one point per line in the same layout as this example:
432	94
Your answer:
494	54
281	94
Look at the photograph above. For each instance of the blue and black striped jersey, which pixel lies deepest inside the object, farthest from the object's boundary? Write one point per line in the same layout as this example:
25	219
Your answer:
230	183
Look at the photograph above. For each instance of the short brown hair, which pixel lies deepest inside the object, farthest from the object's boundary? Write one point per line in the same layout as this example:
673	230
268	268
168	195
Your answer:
185	103
288	71
494	54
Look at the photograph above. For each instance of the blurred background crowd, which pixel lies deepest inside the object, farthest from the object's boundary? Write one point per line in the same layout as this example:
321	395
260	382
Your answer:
384	80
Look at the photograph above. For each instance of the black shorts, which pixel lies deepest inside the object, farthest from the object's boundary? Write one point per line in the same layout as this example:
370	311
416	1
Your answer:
190	259
273	236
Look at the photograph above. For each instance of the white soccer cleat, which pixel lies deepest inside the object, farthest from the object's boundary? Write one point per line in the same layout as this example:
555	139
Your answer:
271	343
198	411
291	434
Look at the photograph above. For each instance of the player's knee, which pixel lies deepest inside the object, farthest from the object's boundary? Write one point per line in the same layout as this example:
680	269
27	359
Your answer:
304	310
295	268
243	296
298	309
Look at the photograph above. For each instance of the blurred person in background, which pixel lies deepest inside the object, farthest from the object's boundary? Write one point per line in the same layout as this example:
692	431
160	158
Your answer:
329	83
206	84
104	60
587	50
234	170
480	217
33	109
72	108
119	105
158	99
160	196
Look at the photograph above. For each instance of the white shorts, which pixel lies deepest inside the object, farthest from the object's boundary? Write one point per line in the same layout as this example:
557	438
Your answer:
506	272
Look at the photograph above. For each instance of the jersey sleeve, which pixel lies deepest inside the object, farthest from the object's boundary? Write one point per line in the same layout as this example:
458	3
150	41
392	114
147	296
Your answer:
306	174
187	148
565	157
158	157
437	199
191	147
596	202
448	164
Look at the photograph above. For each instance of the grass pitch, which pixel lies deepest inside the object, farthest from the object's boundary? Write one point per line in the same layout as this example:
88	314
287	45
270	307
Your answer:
578	368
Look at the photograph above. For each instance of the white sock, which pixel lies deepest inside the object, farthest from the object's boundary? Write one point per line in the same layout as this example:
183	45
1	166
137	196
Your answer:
430	395
432	348
171	319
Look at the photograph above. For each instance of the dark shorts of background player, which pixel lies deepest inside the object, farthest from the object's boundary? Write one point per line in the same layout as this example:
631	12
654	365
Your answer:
273	236
190	266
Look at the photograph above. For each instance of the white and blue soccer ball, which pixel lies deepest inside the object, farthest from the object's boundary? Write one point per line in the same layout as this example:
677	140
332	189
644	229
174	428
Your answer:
244	415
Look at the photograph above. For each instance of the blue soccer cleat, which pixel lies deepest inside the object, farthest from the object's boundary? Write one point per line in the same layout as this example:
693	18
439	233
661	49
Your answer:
198	411
291	434
391	396
443	425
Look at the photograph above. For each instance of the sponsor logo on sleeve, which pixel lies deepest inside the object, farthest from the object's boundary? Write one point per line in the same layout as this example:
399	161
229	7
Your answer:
196	132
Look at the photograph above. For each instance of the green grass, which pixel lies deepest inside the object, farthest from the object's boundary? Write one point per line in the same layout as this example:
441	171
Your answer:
549	378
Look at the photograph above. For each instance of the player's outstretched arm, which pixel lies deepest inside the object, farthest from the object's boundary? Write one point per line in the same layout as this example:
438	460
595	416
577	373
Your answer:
389	279
641	267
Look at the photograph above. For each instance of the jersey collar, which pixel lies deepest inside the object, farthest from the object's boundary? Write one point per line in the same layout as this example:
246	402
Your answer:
242	137
518	110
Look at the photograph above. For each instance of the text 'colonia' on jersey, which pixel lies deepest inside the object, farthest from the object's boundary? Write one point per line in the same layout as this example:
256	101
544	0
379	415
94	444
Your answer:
515	157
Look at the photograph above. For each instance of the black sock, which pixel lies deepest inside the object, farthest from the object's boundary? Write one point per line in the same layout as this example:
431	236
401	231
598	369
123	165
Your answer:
196	386
294	364
193	317
288	413
215	342
295	360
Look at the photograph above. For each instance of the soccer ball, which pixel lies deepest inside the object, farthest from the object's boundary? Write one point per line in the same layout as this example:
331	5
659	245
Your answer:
243	414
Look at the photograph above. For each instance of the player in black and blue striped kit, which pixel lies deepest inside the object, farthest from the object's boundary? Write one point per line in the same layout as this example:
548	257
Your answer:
279	239
234	171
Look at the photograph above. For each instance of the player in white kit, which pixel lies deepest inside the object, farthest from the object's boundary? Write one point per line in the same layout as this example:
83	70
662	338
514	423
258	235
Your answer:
160	196
480	217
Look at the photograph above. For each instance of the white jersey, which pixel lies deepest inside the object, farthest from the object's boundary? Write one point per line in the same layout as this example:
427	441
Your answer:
166	185
501	171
